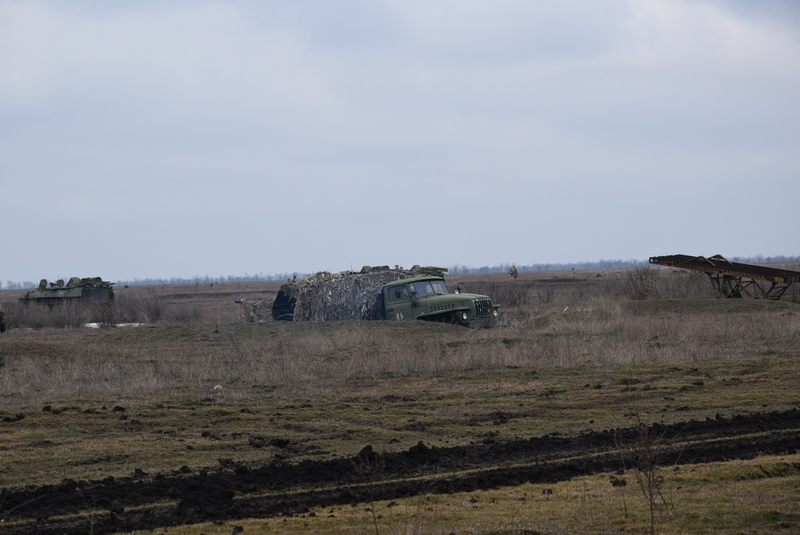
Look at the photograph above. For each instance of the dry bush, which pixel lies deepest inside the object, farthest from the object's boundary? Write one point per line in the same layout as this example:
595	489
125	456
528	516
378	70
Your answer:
649	283
152	308
126	308
106	313
792	294
68	313
610	335
640	283
506	293
183	313
633	284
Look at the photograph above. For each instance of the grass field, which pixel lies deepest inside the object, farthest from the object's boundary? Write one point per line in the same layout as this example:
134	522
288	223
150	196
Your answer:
195	389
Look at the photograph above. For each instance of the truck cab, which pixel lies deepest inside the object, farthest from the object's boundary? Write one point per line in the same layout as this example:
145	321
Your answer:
427	298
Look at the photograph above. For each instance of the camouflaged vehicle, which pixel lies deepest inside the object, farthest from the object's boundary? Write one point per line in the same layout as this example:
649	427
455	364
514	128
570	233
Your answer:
381	293
75	288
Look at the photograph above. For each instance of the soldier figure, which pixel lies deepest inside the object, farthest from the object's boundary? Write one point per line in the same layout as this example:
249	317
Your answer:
513	272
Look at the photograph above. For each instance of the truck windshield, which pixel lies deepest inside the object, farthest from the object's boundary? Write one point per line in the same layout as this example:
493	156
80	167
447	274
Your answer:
425	288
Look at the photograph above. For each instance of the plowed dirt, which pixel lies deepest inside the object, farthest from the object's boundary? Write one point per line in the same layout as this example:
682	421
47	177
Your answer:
236	491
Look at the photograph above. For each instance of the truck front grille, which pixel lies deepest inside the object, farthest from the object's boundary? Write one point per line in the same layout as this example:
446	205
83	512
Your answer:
483	307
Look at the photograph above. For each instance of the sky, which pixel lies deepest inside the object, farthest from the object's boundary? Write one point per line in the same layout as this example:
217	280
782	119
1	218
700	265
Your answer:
159	139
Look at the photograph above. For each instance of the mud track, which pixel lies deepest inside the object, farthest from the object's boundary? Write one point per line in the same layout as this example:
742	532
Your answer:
236	491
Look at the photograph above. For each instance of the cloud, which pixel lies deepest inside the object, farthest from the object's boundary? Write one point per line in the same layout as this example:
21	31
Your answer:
195	120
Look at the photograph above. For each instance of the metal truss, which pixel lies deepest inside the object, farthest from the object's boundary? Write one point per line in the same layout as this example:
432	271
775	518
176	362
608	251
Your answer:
733	279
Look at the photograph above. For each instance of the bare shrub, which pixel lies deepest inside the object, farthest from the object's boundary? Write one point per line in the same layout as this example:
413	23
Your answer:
792	294
507	293
545	294
105	313
124	308
128	309
25	316
643	284
648	450
66	314
183	313
152	307
70	313
683	285
640	283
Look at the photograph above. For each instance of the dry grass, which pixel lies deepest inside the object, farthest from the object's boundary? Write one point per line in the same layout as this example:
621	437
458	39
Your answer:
137	362
589	321
569	355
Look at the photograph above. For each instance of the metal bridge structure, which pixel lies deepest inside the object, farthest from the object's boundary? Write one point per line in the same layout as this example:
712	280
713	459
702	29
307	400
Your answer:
733	279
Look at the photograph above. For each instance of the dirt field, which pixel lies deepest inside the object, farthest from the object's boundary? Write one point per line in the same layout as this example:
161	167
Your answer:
234	491
630	402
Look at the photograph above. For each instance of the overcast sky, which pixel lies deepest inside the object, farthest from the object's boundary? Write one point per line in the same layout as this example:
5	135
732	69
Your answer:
190	138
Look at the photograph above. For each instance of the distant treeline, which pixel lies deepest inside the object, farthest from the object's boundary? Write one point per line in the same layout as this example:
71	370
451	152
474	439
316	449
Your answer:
606	264
760	259
206	280
260	277
498	268
601	264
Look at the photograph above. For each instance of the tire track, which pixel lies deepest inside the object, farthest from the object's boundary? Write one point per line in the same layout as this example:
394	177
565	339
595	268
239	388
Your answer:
238	492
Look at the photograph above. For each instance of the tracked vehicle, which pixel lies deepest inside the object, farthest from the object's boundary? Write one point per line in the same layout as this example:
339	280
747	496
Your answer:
75	288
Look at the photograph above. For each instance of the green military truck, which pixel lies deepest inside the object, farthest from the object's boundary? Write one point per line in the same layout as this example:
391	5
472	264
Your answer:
382	293
427	298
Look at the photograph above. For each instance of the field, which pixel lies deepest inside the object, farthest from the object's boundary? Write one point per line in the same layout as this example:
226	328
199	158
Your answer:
631	401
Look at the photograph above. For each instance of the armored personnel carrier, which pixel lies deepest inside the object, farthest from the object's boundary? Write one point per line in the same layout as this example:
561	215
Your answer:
75	288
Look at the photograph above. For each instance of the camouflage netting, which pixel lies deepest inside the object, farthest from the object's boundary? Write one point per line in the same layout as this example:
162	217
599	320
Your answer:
87	281
256	311
347	295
